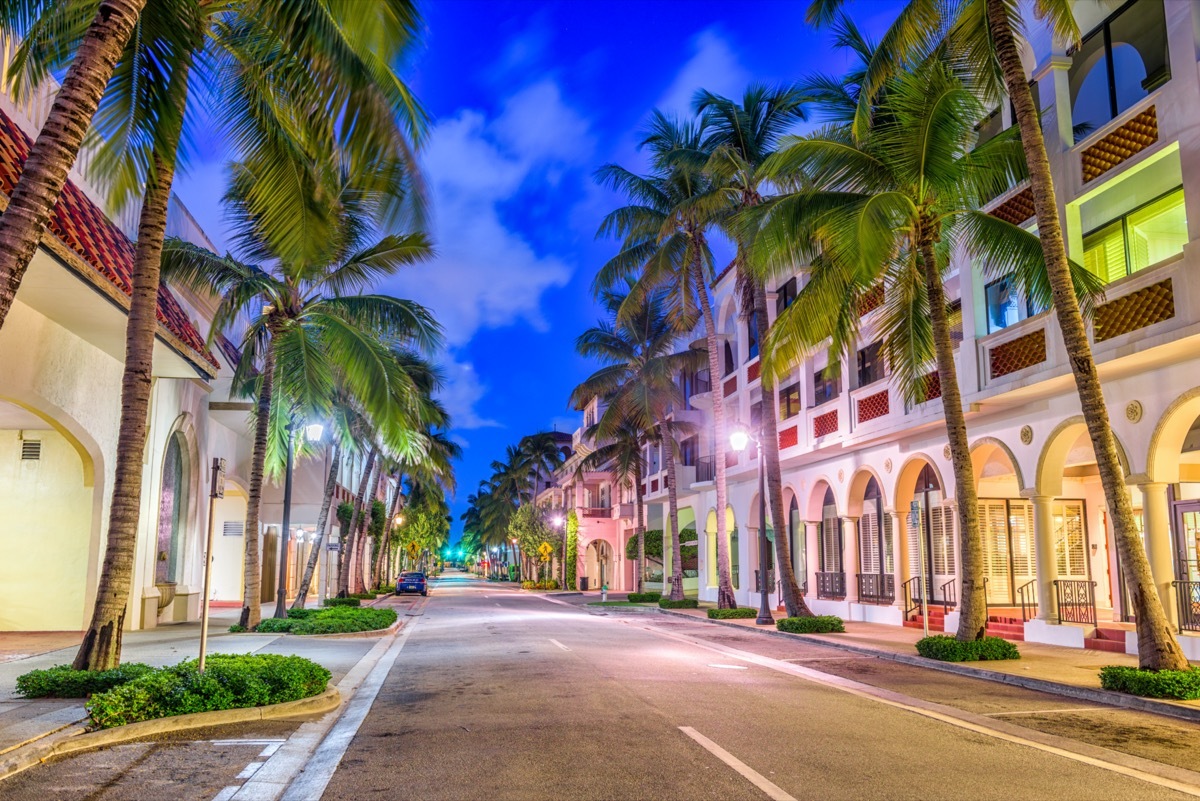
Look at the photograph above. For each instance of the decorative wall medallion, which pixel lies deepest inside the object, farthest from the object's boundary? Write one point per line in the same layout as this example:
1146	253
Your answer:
1133	411
1026	434
887	465
841	476
946	452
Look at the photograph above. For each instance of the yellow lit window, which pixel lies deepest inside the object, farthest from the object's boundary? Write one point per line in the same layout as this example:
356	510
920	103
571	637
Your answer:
1140	239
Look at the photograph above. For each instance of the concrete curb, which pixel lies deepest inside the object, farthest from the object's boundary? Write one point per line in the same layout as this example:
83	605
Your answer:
1095	695
77	738
623	610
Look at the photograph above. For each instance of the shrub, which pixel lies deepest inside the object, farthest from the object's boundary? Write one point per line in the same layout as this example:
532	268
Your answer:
344	620
300	614
63	681
343	602
364	596
645	597
818	624
528	585
552	584
384	589
230	681
686	603
1183	685
945	648
272	625
732	614
237	628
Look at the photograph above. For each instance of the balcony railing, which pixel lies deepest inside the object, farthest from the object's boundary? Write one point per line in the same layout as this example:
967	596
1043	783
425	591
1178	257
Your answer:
597	511
771	585
706	468
831	585
1187	596
877	588
1076	601
1027	597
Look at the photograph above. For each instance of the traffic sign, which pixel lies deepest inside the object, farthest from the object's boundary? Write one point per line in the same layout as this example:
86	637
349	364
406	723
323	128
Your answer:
545	549
413	550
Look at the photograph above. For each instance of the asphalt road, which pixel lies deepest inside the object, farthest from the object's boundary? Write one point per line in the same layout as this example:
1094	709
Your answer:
499	695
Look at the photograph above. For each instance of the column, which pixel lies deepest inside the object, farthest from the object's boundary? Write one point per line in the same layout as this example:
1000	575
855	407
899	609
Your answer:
1047	561
812	549
899	556
1157	511
850	556
666	547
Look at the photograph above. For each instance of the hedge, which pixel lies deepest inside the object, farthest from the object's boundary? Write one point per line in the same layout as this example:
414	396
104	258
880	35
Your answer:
343	602
229	681
818	624
686	603
364	596
63	681
644	597
732	614
1183	685
945	648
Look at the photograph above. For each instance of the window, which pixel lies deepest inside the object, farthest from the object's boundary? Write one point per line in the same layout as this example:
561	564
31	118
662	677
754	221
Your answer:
826	385
1005	305
756	410
752	334
687	451
789	401
785	295
870	364
831	536
1124	59
172	511
730	364
796	540
1143	237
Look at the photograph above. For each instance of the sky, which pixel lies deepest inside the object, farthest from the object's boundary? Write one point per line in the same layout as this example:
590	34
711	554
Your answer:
528	99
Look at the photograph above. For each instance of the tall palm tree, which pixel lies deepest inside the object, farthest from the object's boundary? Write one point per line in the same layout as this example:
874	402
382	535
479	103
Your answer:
638	351
883	207
621	455
986	35
740	137
543	455
306	320
664	243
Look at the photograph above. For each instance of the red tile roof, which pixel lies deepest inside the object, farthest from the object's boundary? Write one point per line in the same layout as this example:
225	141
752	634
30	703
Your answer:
86	231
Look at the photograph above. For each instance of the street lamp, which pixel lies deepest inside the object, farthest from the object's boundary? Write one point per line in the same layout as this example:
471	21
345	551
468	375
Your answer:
514	557
739	438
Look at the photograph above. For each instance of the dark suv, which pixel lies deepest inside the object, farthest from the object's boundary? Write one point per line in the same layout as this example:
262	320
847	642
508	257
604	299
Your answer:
412	582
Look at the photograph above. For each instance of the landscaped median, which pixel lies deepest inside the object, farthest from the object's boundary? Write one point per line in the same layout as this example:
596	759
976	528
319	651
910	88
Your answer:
1178	685
340	617
135	692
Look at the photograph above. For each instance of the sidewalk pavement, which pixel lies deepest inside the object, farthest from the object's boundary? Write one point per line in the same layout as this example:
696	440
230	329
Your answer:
24	720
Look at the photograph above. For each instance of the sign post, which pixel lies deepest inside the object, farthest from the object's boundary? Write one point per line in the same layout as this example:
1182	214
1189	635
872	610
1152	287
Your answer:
545	549
217	491
915	516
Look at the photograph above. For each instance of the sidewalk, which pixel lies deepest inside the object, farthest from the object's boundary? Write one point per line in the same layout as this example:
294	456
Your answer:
23	720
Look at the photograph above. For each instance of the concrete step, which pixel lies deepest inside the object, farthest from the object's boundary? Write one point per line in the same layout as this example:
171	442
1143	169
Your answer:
1097	644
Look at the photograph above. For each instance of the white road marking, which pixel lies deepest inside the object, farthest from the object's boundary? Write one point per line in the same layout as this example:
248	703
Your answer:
1048	711
559	644
270	749
728	667
1188	783
226	793
773	791
247	742
249	770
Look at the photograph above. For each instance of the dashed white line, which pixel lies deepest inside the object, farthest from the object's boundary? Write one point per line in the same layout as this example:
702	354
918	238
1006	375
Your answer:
559	644
773	791
728	667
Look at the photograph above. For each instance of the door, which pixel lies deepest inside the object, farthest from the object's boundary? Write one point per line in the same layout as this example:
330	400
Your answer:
997	550
1187	539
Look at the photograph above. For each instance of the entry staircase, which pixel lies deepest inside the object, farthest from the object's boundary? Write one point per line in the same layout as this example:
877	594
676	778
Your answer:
1008	626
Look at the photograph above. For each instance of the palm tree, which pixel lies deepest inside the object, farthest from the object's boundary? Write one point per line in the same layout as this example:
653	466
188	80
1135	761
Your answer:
621	455
882	208
740	138
638	351
543	456
986	35
306	320
664	244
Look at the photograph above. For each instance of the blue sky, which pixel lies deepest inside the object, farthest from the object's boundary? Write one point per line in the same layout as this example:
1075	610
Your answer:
528	99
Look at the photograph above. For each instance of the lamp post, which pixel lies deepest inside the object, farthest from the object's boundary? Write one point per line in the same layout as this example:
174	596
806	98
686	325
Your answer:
514	556
739	439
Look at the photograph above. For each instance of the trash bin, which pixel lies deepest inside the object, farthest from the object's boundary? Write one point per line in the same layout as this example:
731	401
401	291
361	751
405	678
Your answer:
583	583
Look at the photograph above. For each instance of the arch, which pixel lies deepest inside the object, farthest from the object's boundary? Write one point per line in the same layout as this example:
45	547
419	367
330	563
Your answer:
87	448
1166	443
858	487
906	479
814	508
986	448
1057	449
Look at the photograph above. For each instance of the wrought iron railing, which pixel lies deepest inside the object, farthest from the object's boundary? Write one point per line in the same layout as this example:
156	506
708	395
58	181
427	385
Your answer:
913	594
706	468
1076	601
876	588
701	383
831	585
1187	596
770	579
1027	598
949	595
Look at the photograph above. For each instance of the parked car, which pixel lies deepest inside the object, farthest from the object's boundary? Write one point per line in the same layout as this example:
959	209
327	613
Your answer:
412	582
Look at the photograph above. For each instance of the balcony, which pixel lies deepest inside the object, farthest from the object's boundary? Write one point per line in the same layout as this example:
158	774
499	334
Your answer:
624	511
596	511
825	420
706	469
870	403
831	586
877	588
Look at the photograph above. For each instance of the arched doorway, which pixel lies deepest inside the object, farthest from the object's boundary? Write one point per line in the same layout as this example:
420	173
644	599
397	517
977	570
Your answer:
876	554
753	548
831	569
796	540
1006	525
1172	509
599	564
929	526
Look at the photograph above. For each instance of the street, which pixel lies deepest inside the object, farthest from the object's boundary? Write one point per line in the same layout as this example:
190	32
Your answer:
498	694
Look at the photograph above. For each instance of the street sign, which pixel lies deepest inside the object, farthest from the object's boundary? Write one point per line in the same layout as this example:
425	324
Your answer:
545	549
218	478
413	550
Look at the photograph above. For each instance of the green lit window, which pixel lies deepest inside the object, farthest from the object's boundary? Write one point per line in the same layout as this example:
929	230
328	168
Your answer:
1141	238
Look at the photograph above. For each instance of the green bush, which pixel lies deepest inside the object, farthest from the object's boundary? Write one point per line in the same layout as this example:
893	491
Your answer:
343	602
364	596
528	585
686	603
344	620
300	614
1183	685
384	589
645	597
818	624
63	681
230	681
237	628
945	648
272	625
732	614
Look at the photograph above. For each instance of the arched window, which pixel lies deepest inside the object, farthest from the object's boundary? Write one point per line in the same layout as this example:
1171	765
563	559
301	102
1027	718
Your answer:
730	362
752	336
172	510
831	535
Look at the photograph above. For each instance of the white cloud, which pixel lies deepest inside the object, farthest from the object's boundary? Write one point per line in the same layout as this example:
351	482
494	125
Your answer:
713	65
461	393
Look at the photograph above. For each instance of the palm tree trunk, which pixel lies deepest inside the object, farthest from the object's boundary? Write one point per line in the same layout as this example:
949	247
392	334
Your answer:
1157	647
384	564
349	539
322	523
252	569
725	599
101	646
972	620
769	442
53	154
639	526
354	572
668	434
